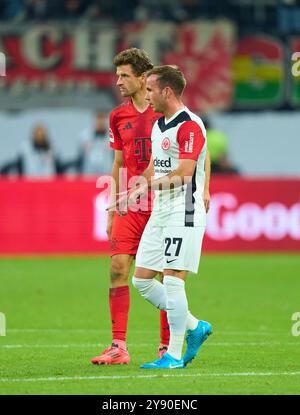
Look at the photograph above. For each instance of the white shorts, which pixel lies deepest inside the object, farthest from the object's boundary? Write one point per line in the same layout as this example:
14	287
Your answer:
170	247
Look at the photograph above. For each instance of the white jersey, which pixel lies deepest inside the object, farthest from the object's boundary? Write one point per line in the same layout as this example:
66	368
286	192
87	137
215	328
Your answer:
183	136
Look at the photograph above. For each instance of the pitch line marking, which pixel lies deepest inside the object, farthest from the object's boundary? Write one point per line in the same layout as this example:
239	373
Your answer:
65	378
87	345
55	330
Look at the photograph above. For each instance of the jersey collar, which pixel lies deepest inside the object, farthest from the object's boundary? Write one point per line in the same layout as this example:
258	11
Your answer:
174	115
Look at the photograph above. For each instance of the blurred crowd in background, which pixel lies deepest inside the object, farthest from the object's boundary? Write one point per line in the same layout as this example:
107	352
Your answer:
247	13
257	77
37	156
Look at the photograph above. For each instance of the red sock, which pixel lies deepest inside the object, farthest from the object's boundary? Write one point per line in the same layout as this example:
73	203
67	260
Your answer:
164	328
119	302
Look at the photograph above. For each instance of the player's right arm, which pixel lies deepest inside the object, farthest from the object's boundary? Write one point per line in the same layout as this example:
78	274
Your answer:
117	145
115	174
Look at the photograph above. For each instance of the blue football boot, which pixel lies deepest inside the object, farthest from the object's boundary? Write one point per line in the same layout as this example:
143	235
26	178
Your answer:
165	362
194	340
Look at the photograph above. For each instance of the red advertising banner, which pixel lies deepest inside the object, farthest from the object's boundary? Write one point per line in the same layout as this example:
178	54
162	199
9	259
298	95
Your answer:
68	216
253	215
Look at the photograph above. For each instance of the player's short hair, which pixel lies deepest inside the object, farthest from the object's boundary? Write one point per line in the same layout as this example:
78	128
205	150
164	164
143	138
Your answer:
169	75
137	58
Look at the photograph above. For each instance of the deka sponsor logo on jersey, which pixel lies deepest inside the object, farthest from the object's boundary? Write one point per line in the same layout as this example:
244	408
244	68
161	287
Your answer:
162	163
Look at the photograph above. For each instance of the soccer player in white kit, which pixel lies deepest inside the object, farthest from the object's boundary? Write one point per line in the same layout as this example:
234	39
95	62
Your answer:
172	239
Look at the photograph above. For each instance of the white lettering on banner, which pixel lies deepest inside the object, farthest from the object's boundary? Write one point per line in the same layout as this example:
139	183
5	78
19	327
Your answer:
152	37
81	45
276	221
216	229
249	221
104	49
295	221
227	219
33	50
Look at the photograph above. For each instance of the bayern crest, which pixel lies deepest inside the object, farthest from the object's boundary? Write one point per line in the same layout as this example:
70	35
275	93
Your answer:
165	145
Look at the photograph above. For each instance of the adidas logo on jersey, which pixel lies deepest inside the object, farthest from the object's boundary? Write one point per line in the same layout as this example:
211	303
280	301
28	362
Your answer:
162	163
128	126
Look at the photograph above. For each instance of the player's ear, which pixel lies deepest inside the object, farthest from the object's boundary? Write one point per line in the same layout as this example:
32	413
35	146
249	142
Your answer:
167	91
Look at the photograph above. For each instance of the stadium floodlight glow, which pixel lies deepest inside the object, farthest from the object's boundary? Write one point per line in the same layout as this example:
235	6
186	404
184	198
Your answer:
2	64
2	324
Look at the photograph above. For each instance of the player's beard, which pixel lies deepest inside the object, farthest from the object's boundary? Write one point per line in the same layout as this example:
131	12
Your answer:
124	93
156	108
128	92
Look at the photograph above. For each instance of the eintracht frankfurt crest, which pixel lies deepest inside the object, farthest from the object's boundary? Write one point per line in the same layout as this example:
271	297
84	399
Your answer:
165	145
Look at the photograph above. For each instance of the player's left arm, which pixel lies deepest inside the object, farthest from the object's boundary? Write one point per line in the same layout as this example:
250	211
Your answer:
183	174
149	171
206	194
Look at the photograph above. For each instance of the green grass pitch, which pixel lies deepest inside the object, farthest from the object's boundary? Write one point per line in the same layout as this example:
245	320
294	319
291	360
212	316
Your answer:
57	319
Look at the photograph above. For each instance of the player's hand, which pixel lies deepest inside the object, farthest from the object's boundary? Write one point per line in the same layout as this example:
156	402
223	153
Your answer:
120	204
127	199
136	194
206	199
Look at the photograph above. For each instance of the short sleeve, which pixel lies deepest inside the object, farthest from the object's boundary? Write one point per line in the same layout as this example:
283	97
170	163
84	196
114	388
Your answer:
191	140
114	137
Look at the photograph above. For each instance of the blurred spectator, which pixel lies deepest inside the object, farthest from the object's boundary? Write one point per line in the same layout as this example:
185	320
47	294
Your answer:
116	10
37	9
218	148
247	13
74	9
95	156
159	9
36	157
12	9
191	8
100	10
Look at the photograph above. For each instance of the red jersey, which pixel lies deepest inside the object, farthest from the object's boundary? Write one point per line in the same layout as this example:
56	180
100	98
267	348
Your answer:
130	132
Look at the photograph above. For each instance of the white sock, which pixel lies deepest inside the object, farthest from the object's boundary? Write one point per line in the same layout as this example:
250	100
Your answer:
152	290
177	310
192	322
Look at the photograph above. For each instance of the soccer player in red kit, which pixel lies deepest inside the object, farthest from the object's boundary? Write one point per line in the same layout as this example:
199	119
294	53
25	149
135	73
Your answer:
130	131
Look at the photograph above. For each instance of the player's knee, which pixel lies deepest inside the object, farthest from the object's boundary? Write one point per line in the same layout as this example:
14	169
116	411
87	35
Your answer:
118	271
151	290
142	285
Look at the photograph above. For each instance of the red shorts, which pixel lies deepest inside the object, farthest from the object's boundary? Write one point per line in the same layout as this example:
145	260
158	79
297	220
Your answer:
127	232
